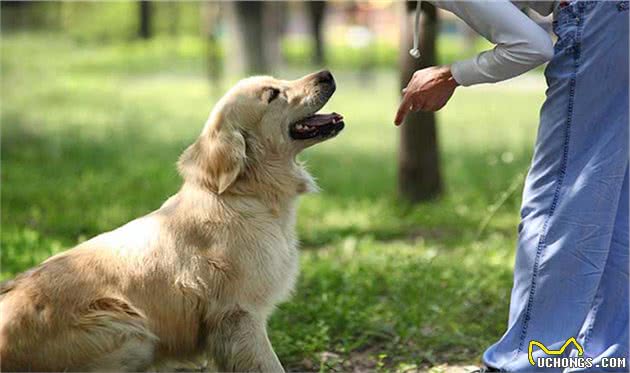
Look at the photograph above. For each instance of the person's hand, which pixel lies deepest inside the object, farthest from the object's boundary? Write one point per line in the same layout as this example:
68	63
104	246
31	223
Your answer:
428	90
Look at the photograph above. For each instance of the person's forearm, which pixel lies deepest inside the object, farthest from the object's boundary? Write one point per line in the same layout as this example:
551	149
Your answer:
521	45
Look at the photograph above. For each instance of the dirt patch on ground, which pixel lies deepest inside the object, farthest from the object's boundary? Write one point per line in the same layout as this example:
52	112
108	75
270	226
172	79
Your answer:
369	361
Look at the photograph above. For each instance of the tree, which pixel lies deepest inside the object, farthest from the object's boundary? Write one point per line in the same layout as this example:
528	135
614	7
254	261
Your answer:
145	14
260	25
316	12
211	14
418	160
249	15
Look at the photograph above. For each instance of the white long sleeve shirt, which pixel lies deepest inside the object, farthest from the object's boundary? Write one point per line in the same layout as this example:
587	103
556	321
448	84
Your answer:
521	44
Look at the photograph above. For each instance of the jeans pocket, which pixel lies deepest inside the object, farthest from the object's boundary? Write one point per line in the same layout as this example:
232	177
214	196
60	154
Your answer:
623	6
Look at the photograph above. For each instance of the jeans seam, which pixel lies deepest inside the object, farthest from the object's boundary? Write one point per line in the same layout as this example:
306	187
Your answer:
589	331
559	182
591	323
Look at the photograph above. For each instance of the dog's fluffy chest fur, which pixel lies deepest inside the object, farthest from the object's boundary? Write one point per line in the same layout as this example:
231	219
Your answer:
250	250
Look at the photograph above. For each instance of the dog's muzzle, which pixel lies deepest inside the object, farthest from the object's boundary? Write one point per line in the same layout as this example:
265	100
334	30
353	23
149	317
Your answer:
321	126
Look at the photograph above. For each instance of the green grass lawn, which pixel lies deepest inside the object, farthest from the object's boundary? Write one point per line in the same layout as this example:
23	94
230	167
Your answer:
90	136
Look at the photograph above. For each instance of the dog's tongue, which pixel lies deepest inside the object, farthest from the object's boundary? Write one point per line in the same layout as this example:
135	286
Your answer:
322	119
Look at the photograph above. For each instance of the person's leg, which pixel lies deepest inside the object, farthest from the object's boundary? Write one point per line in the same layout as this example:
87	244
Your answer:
573	188
605	331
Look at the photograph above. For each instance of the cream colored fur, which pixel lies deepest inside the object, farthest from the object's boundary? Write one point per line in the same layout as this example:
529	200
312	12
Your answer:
199	275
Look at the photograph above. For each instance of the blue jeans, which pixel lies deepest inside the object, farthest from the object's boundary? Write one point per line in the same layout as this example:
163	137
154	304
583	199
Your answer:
571	271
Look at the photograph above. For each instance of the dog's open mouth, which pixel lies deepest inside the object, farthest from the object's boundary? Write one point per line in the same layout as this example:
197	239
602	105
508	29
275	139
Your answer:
317	125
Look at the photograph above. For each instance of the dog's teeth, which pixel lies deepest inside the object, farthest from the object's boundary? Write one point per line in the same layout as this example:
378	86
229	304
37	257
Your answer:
303	127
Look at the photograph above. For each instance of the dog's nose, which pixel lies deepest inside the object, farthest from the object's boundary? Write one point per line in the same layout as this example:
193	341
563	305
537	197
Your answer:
325	77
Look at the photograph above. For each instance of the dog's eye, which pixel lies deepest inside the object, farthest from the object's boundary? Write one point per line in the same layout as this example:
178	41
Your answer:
271	94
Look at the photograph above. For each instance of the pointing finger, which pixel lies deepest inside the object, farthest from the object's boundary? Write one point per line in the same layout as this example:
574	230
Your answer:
403	110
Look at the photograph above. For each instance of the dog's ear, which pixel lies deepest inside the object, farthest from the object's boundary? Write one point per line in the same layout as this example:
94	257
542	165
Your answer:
216	159
226	158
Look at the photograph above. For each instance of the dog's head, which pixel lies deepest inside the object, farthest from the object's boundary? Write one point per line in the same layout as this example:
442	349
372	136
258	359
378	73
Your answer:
262	121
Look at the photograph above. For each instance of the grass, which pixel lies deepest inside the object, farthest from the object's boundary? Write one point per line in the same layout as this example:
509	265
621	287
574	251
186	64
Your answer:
90	135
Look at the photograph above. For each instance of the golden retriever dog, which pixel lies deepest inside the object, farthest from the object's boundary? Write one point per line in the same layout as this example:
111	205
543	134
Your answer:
200	275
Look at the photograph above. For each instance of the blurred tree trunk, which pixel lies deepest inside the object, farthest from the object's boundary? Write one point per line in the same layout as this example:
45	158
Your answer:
418	160
316	12
249	16
145	13
211	13
275	18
